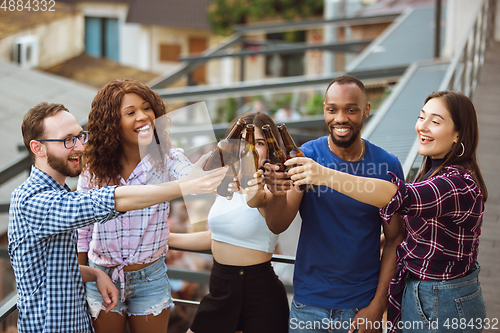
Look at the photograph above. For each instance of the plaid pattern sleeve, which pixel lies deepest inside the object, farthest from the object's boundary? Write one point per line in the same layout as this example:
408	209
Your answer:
443	219
446	195
43	217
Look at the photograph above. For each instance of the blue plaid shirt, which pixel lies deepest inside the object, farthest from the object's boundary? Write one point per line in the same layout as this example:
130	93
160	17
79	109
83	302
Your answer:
43	219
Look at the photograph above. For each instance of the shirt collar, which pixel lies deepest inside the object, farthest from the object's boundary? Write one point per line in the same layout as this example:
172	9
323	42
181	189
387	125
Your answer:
146	172
139	170
39	176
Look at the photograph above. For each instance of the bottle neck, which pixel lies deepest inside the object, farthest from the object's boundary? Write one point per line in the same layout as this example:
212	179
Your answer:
272	144
235	132
250	137
287	140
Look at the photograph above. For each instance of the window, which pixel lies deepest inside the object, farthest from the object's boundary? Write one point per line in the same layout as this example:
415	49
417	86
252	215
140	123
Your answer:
197	45
101	37
280	65
170	52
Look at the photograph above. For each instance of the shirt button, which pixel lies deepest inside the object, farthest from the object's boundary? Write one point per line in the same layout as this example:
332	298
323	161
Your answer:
242	272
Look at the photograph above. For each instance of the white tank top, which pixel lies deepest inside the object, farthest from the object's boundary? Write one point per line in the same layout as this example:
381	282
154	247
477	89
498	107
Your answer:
234	222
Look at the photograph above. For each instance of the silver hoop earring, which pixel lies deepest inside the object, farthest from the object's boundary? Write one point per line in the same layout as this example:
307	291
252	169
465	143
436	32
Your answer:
463	150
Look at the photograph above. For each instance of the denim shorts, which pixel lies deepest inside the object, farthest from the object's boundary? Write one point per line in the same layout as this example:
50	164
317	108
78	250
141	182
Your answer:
310	319
147	291
449	306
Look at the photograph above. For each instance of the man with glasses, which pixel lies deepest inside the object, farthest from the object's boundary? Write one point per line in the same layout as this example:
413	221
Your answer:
44	215
70	141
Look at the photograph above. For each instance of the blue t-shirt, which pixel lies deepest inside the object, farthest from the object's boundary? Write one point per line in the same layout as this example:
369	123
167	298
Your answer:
338	256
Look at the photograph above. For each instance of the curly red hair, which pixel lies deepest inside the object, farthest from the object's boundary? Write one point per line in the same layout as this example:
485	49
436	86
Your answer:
102	152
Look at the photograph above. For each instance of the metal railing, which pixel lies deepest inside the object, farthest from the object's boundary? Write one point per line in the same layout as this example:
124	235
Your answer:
189	64
200	277
218	130
196	93
462	74
464	68
193	93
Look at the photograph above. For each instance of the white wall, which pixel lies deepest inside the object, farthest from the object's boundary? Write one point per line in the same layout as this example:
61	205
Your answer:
111	10
62	41
135	45
165	35
227	70
459	17
143	48
58	41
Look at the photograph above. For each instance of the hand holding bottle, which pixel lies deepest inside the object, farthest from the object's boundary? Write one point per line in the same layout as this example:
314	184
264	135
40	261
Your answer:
277	181
292	151
306	171
249	157
199	181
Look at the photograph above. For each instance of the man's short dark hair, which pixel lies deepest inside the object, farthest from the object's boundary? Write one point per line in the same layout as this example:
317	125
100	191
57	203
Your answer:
347	79
32	127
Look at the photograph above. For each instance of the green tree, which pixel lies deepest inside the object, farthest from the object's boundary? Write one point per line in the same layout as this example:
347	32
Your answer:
314	106
225	14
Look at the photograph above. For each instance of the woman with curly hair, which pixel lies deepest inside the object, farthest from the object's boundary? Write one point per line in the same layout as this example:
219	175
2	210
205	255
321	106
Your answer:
123	122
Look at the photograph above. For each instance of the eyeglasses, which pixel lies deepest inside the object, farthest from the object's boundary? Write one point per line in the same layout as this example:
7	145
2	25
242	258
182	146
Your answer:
70	141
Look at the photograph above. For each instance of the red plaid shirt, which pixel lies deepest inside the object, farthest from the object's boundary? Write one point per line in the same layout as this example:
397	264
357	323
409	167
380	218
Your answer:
443	217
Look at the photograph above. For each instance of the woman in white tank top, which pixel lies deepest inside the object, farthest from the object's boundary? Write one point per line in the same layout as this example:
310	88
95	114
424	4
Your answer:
245	293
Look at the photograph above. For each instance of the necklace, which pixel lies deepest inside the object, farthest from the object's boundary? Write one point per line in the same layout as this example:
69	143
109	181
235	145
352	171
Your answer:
362	148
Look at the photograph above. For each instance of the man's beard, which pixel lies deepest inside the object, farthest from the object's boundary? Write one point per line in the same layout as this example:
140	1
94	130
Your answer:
346	143
61	165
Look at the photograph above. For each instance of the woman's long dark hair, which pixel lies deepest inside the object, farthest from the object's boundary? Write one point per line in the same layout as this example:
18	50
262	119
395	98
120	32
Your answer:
463	153
259	119
103	150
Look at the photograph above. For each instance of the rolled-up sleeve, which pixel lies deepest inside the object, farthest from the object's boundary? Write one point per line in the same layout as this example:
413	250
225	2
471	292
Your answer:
397	200
178	165
444	195
103	201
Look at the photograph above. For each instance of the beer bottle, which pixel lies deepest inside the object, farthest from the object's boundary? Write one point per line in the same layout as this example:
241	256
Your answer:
275	154
249	157
229	178
227	149
291	151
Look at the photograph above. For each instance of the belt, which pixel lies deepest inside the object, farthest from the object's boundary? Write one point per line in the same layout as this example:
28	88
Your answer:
414	277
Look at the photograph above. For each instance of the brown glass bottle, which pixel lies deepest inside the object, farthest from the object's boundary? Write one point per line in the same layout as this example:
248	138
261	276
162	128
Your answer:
231	174
249	157
291	151
275	154
226	151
